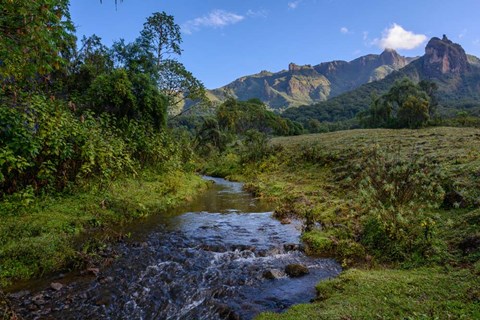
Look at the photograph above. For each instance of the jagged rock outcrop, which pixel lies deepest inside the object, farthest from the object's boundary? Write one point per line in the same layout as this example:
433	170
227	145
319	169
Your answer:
442	56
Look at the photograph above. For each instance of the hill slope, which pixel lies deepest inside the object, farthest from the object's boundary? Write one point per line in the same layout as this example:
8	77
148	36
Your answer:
444	62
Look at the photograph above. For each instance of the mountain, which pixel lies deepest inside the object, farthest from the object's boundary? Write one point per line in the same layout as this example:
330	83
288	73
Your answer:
300	85
444	62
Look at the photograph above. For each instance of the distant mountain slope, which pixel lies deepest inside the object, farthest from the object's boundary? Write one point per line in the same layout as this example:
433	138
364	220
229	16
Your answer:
300	85
444	62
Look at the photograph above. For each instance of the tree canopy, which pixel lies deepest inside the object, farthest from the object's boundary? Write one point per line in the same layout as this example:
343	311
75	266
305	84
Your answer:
405	105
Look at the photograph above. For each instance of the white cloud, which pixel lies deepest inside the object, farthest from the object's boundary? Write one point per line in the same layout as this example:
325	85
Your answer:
344	30
294	4
365	35
476	42
215	19
396	37
462	34
257	13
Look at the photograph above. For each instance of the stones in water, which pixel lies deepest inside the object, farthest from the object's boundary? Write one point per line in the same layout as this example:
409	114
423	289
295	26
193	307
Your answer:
272	274
296	270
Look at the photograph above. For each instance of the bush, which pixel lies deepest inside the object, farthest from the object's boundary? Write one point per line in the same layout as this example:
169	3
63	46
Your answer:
45	147
397	192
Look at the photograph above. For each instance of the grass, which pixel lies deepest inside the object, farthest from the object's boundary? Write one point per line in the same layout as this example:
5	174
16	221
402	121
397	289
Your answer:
429	293
417	259
321	175
50	234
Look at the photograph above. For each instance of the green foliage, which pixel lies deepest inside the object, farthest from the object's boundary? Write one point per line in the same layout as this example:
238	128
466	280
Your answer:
87	126
178	84
413	113
50	235
210	138
45	146
393	180
35	38
91	60
113	93
240	116
405	105
161	36
255	146
153	54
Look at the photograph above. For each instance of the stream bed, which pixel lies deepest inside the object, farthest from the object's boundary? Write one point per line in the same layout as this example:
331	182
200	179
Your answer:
221	256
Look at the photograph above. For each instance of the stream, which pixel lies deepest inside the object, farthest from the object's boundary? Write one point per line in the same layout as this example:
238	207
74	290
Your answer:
222	256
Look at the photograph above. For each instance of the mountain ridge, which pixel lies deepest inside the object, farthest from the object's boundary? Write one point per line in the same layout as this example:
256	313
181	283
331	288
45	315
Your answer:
307	84
456	74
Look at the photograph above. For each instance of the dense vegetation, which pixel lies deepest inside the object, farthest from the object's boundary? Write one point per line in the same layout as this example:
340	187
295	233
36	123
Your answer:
80	129
405	105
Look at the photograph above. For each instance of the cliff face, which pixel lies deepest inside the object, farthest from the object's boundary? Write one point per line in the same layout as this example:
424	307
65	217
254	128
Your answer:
442	56
303	85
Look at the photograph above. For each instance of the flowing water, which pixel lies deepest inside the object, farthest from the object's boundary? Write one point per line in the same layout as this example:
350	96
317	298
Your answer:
209	262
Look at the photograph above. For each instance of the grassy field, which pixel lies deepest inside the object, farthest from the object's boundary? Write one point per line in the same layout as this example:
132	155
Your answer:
49	234
431	293
399	206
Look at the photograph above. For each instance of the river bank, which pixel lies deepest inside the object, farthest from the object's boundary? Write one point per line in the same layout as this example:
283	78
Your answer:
68	231
220	256
346	186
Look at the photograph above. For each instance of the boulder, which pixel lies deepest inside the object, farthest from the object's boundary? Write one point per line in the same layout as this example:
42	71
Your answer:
272	274
295	270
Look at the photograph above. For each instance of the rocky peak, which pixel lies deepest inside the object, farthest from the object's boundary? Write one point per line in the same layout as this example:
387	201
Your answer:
442	56
305	70
293	67
392	58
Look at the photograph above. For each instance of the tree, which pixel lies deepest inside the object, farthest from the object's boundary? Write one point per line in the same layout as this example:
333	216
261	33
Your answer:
414	112
35	39
405	105
91	60
153	54
430	88
178	84
161	36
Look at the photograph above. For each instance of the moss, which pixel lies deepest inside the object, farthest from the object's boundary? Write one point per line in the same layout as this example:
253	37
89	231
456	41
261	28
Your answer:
318	243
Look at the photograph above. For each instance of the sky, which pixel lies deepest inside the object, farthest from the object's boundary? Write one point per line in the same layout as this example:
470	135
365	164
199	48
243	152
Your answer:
227	39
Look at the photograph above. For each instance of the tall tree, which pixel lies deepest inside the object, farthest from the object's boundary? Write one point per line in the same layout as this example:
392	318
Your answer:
161	36
156	49
405	105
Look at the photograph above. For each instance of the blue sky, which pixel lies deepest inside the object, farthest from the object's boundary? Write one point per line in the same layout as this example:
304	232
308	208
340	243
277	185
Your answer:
226	39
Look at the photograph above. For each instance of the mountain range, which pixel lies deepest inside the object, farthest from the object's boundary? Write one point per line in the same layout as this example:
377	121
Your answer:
306	84
338	90
456	74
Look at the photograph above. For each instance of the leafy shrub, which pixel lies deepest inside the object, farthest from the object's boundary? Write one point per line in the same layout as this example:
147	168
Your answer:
44	146
397	192
255	146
